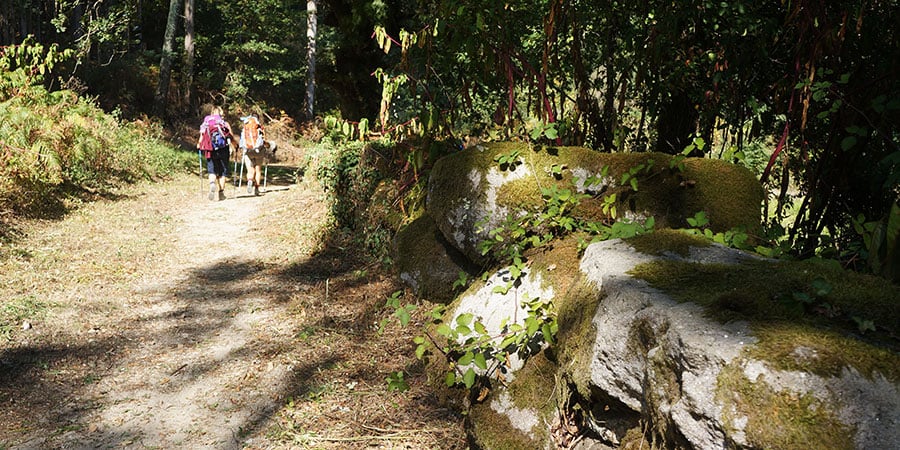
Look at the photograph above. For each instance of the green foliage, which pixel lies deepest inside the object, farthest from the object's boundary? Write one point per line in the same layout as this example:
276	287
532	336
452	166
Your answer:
509	161
397	382
57	145
345	130
629	178
879	246
26	66
545	130
472	351
462	281
348	177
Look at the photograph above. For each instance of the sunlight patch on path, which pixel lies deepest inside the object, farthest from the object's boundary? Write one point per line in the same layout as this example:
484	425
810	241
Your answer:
202	379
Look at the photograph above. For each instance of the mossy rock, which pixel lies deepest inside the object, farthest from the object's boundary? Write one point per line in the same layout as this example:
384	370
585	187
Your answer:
710	346
516	416
426	263
471	192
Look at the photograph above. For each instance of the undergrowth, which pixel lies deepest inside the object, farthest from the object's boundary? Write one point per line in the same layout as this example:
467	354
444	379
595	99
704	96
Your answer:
57	147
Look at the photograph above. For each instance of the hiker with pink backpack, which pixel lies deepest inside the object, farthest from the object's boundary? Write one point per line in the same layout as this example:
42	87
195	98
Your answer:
214	144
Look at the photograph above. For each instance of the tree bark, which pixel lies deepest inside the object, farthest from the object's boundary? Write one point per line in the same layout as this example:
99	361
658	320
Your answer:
311	32
165	63
188	71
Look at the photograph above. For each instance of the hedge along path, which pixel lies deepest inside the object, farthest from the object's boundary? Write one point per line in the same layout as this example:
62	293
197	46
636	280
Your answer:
161	319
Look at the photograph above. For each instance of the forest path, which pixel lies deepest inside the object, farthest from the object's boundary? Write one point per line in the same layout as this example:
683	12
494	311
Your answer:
160	319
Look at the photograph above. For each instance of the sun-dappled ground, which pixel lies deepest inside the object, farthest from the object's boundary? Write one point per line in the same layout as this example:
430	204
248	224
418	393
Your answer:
156	318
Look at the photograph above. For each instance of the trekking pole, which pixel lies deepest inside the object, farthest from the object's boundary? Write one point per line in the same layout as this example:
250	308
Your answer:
200	158
234	182
241	177
269	153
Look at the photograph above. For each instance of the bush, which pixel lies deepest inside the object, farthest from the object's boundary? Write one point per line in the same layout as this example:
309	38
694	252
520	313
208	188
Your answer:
56	145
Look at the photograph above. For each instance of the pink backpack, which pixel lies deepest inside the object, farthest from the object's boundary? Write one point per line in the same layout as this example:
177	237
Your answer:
213	133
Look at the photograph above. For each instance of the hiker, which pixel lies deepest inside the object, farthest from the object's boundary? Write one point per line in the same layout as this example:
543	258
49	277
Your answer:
214	142
255	152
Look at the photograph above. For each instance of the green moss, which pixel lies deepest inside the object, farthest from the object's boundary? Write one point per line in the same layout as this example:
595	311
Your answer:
491	430
667	240
823	352
729	194
419	246
533	389
634	440
576	301
779	419
764	293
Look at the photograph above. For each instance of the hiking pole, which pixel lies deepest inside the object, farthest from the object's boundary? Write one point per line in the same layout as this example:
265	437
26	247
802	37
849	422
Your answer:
266	174
241	177
200	158
270	152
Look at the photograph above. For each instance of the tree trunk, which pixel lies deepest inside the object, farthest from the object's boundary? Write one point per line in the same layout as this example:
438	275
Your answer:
311	58
188	71
165	63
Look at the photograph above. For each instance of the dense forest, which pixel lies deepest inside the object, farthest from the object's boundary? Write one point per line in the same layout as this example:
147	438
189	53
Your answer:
805	93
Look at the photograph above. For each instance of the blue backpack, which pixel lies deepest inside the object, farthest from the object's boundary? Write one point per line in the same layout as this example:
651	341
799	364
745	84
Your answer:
213	126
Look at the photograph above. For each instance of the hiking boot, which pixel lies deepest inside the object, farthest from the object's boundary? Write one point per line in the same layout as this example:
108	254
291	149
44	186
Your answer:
250	188
256	190
221	195
212	192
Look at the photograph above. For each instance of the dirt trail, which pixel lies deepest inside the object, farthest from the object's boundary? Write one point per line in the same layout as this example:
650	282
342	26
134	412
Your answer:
162	320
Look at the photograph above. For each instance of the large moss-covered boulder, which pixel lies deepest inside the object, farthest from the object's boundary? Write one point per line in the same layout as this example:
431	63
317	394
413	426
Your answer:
670	339
718	349
476	190
664	340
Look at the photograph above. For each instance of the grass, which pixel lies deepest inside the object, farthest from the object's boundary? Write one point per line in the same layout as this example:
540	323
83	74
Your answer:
17	310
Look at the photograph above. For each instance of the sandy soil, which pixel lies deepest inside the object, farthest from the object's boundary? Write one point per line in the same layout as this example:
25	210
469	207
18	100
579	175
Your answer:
158	319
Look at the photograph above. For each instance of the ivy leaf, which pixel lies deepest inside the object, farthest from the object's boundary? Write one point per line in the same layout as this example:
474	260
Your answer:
450	379
466	359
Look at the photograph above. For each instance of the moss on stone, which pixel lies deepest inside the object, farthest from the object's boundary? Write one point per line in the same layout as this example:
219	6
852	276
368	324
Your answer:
764	293
489	429
726	192
533	389
667	240
422	253
634	439
778	419
823	352
576	302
